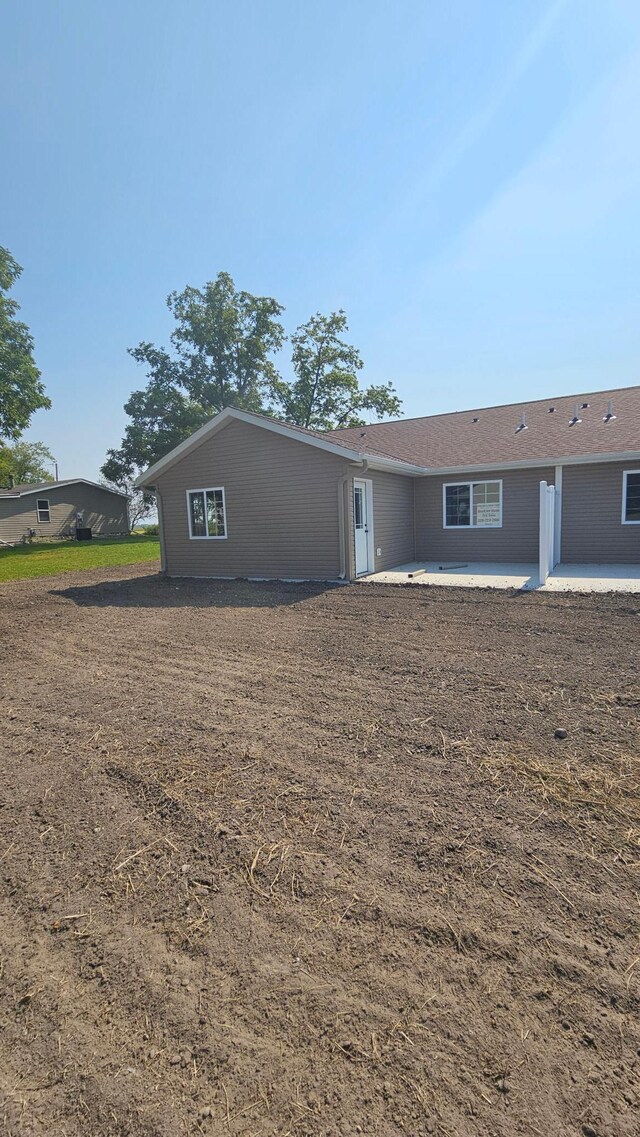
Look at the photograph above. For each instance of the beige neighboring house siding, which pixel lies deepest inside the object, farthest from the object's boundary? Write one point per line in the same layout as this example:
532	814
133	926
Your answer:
281	500
104	512
516	541
592	529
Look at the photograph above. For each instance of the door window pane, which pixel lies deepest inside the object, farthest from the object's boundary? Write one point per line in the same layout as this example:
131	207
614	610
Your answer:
357	506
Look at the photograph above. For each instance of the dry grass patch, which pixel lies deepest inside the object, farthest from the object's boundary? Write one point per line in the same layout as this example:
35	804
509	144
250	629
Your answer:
598	793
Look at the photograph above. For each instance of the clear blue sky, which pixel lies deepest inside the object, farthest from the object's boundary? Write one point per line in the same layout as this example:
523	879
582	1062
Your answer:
462	177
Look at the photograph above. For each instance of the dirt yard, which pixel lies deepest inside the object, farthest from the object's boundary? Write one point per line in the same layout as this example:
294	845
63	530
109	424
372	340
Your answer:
279	859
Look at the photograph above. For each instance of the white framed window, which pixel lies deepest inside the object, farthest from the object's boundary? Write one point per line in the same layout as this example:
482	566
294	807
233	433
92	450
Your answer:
42	510
631	497
207	514
472	505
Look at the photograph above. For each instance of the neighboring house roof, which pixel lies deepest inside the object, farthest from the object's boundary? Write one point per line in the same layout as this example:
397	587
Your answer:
297	433
490	436
30	488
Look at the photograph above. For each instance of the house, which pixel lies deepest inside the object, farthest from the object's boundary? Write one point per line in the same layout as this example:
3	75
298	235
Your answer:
250	496
54	509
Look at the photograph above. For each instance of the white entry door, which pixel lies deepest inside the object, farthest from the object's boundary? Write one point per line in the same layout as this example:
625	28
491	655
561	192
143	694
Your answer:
361	527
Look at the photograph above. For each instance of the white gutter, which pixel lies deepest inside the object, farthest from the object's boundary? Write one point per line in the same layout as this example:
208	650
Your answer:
532	463
393	465
557	518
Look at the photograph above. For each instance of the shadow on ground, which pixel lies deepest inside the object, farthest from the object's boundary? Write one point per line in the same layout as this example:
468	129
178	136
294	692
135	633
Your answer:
158	591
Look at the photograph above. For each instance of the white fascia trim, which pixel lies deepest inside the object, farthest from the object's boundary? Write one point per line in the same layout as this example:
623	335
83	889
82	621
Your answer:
229	413
533	463
67	482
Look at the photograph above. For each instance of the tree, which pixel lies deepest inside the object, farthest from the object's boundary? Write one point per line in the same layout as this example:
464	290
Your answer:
26	462
222	346
325	393
141	503
21	392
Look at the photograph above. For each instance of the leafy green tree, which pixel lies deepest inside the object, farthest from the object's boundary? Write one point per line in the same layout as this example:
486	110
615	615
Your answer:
141	503
325	393
220	356
21	392
26	462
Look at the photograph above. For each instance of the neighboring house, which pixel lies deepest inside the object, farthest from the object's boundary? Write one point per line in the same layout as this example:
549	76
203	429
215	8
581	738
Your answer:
54	509
253	497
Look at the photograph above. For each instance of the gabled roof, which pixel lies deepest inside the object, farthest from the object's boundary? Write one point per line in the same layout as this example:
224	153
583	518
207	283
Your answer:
572	428
29	487
296	433
489	436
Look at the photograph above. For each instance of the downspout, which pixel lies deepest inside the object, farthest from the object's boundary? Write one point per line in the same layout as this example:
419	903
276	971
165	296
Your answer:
342	524
415	536
557	519
163	554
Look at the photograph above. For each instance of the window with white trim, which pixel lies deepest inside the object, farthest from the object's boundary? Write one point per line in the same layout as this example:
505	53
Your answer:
207	514
472	505
42	510
631	497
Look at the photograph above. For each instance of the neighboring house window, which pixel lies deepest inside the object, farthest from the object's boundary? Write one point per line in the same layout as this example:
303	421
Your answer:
207	515
631	497
42	509
472	505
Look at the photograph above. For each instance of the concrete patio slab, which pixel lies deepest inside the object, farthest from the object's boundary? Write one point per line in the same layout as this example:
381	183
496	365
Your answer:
594	578
471	575
522	577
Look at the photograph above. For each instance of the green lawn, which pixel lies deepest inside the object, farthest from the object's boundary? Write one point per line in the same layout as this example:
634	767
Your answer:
73	556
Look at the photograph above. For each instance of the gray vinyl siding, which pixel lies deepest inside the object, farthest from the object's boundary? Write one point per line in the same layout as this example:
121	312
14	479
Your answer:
281	500
104	512
517	540
592	529
393	528
392	519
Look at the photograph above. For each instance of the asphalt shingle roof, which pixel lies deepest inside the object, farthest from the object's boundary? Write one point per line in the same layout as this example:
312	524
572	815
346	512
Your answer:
490	435
37	487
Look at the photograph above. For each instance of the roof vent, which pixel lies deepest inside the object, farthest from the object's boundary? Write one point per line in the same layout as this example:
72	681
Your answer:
523	424
476	420
609	415
576	417
552	410
584	406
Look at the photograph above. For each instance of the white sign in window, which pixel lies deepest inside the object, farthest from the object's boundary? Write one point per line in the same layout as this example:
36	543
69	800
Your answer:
488	513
